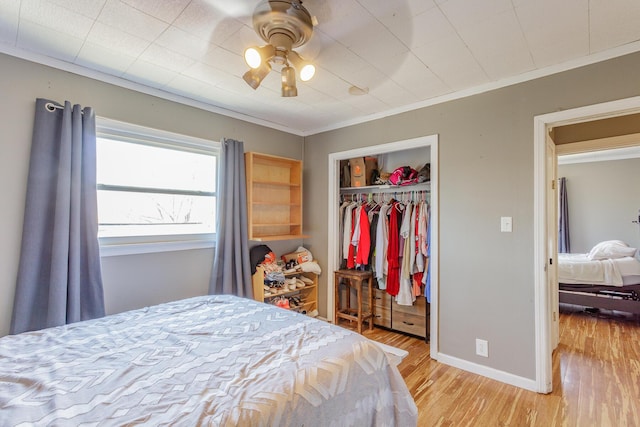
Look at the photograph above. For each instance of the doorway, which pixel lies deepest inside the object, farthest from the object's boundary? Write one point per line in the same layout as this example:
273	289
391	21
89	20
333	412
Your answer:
544	257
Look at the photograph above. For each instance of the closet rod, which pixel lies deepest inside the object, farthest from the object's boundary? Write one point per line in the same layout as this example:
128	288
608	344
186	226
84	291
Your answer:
425	186
406	196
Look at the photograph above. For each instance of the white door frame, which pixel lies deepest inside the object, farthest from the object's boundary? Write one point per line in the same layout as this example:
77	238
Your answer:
333	263
543	333
552	200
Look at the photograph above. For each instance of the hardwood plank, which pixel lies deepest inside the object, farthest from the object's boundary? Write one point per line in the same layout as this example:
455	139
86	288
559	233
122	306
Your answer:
596	379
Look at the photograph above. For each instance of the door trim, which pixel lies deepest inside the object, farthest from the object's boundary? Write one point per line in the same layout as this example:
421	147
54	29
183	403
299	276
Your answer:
333	204
543	335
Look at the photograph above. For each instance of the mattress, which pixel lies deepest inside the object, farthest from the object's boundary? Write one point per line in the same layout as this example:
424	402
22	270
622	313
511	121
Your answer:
213	360
579	269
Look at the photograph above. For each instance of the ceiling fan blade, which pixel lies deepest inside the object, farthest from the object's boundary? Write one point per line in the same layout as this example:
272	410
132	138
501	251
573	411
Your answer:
234	8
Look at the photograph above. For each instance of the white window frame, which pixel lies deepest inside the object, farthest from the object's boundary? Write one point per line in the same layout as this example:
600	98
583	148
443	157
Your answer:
128	245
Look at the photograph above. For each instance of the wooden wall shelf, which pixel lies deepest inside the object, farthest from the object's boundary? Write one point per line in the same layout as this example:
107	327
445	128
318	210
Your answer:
274	197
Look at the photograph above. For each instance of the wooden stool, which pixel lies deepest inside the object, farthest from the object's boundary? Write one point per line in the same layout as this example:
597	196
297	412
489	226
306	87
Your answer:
353	279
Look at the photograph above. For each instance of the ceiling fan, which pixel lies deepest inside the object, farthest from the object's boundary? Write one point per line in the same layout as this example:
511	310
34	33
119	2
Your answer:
284	25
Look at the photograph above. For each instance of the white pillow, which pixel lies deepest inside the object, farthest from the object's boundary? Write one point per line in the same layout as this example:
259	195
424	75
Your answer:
611	249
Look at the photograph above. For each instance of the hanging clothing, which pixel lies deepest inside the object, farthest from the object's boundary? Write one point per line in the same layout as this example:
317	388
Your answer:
364	242
393	251
392	241
351	252
343	206
427	290
418	266
374	215
382	244
424	218
347	230
405	293
421	238
412	238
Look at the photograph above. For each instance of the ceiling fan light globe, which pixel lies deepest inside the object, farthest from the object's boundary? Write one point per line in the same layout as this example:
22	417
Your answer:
289	91
288	76
251	79
252	57
289	88
254	77
306	69
307	72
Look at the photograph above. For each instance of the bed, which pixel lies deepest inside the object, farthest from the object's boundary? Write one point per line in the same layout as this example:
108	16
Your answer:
608	277
211	360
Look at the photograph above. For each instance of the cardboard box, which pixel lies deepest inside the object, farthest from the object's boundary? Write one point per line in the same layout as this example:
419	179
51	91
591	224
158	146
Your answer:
345	174
358	177
362	169
299	257
370	165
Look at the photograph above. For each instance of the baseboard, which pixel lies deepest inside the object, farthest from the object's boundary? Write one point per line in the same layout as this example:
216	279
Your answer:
485	371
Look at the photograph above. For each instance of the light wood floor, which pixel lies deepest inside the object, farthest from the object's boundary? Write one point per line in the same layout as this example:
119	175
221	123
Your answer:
596	371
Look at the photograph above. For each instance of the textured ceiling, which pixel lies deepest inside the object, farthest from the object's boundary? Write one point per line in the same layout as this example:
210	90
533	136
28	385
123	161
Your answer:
407	53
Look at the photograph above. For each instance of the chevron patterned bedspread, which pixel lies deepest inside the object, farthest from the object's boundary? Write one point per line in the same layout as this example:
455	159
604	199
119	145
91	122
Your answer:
212	360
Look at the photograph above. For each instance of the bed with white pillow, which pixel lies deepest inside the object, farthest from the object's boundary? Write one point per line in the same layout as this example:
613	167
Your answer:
607	277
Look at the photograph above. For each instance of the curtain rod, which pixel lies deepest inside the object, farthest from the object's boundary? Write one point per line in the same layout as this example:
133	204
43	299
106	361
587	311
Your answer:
50	106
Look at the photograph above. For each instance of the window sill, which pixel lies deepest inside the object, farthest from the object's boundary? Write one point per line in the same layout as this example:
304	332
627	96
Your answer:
118	249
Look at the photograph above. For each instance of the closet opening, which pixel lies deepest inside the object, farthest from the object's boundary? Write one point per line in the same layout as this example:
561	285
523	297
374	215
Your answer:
426	150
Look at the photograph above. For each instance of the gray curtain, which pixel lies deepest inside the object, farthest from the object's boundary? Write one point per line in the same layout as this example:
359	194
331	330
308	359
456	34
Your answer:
564	245
59	276
231	273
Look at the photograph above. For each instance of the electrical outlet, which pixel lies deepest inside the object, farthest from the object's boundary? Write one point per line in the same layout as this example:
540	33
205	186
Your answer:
482	347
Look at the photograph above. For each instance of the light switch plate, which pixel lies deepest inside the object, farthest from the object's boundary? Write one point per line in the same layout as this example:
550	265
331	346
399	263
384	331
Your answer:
506	224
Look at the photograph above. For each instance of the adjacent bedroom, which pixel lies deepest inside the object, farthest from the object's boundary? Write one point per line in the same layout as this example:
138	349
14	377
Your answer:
598	260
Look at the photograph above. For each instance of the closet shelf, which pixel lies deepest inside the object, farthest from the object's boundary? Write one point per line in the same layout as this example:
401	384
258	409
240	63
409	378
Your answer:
425	186
280	224
274	203
277	183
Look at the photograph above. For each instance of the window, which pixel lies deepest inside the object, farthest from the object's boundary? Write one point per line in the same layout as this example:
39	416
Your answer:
156	190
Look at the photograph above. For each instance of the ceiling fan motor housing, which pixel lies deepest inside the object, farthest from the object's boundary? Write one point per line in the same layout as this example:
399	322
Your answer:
285	24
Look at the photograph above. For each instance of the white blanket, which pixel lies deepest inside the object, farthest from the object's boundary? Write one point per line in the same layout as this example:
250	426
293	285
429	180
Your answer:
579	269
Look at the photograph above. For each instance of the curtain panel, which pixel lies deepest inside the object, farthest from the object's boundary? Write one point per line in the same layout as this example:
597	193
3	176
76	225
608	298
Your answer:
231	272
59	275
564	245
